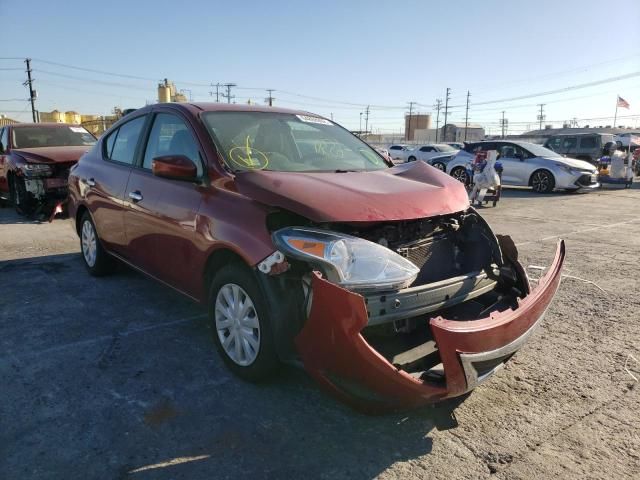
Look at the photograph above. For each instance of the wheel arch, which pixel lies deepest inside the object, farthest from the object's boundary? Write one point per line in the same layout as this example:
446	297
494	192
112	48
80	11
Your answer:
219	257
530	183
80	211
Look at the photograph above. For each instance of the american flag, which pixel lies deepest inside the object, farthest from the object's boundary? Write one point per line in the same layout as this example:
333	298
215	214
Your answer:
622	102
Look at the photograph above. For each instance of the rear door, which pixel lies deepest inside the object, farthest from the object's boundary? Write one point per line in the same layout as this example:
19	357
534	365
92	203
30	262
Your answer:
4	141
105	179
160	220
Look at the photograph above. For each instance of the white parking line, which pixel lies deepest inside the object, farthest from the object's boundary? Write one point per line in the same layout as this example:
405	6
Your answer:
101	338
584	230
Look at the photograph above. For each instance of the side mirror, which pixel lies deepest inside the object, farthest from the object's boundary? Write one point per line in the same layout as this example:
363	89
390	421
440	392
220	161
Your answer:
176	167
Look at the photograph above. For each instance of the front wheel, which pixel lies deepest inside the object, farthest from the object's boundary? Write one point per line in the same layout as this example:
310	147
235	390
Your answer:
461	174
96	259
542	181
411	159
22	200
440	166
241	324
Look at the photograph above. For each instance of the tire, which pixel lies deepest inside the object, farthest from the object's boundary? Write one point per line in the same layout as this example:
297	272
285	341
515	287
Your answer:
96	258
245	342
20	198
440	166
461	174
542	181
411	159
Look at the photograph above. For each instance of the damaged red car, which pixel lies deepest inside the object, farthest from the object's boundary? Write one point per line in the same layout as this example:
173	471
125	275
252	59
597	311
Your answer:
308	247
35	159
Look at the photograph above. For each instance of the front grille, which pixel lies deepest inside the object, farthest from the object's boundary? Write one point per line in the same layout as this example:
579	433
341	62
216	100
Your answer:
584	180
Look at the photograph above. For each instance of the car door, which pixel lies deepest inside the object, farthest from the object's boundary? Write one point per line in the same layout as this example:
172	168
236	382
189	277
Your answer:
4	185
103	182
510	156
160	220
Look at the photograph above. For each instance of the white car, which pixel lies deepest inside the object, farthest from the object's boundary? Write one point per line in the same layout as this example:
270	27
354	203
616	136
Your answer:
400	152
425	152
529	165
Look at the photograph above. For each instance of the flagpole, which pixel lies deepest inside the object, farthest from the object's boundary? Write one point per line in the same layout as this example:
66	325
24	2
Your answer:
615	117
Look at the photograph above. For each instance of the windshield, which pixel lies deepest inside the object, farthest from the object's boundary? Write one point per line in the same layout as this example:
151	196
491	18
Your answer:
288	143
539	150
62	136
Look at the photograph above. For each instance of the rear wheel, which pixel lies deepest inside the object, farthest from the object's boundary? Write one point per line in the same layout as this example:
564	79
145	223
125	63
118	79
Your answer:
96	259
411	159
542	181
461	174
241	324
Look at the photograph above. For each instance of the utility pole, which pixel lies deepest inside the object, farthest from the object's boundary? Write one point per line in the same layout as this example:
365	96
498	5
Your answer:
360	127
438	107
217	85
503	123
466	117
366	119
228	96
541	114
32	94
446	113
408	132
270	98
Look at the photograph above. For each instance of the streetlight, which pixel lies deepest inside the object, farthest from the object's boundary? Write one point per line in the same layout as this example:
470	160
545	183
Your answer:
360	129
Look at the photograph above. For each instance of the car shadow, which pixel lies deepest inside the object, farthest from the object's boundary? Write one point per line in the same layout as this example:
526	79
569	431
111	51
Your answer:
124	365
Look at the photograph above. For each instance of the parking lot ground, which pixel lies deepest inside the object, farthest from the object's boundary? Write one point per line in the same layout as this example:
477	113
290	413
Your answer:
117	377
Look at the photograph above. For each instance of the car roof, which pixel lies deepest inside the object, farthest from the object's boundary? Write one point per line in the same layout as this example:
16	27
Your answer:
197	107
44	124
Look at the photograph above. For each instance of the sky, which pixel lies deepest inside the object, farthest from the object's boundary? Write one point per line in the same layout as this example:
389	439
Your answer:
332	57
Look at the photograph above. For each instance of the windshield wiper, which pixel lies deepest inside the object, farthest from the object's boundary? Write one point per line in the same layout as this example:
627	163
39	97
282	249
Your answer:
344	171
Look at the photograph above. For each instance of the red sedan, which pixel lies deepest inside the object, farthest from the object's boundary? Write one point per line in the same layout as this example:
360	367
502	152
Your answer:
306	245
35	159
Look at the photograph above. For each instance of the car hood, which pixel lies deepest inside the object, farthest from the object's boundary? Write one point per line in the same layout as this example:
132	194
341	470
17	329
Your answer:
404	192
52	154
572	162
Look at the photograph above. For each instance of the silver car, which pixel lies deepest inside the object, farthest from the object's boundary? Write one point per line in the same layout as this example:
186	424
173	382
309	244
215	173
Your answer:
528	165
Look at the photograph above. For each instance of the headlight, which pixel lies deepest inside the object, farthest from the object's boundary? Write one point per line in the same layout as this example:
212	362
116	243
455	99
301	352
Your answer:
37	170
351	262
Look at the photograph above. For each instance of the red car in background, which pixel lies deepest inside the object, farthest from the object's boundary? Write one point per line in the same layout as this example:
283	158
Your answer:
35	159
306	245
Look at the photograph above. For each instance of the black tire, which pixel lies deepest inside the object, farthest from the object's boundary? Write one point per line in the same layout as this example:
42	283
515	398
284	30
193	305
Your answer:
411	159
542	181
440	166
265	363
103	263
21	199
461	174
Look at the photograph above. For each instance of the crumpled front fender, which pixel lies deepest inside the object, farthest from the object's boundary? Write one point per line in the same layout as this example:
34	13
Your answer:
335	353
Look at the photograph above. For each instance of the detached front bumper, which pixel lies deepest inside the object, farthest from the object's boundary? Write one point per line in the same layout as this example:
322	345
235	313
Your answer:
336	354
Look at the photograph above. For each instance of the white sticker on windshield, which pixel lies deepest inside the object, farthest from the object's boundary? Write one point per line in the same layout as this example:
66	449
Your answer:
310	119
78	129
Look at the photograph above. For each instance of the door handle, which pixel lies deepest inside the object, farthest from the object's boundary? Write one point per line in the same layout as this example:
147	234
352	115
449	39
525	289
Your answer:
89	181
135	196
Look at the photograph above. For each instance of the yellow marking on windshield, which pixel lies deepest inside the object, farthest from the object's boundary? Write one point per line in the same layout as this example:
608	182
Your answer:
247	157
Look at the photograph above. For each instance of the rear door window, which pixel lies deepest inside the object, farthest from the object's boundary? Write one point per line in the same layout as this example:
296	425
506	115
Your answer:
120	145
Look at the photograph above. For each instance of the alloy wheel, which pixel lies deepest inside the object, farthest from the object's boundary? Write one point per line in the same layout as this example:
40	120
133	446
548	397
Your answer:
237	324
540	182
460	174
89	243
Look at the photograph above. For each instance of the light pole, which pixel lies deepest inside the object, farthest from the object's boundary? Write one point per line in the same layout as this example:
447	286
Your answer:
360	129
